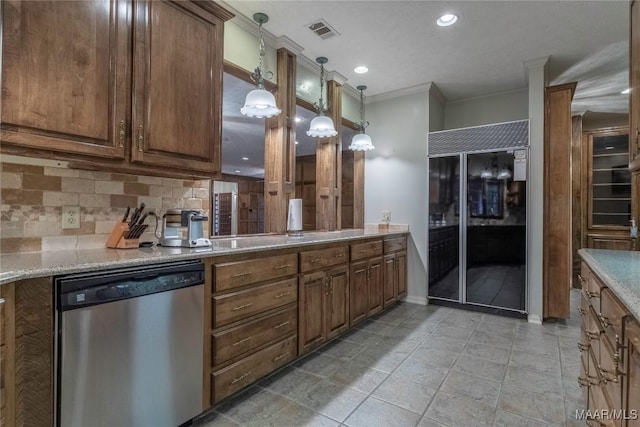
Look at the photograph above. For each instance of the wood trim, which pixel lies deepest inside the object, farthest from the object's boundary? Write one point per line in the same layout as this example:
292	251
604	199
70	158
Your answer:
305	104
576	190
358	189
8	322
242	74
215	8
557	265
350	124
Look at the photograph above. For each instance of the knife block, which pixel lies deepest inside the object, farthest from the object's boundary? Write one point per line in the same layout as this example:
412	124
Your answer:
117	239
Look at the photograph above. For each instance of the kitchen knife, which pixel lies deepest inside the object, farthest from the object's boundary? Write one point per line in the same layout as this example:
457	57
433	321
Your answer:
143	218
134	216
126	214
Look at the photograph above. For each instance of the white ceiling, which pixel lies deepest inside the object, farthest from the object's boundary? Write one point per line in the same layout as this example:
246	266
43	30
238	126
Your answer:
482	54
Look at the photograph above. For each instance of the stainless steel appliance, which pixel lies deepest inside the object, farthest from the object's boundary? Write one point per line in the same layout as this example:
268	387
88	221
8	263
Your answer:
175	221
129	346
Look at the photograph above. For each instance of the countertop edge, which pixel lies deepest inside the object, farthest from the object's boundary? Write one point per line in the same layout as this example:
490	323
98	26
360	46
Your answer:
158	256
630	299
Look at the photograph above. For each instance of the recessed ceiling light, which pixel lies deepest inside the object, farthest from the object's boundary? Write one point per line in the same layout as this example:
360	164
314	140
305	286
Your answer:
361	69
245	158
237	171
447	19
626	91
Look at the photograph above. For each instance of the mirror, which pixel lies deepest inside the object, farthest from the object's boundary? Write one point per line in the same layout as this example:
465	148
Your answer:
305	165
349	129
237	202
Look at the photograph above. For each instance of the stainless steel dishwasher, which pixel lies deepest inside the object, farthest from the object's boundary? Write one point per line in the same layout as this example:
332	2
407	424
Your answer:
130	346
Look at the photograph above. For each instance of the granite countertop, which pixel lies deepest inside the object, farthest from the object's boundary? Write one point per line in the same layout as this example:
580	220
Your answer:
620	271
29	265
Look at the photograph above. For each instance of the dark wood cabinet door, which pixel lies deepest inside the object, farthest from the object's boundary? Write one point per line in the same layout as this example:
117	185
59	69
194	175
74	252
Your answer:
634	84
376	286
312	295
401	273
338	301
389	279
65	76
359	295
177	79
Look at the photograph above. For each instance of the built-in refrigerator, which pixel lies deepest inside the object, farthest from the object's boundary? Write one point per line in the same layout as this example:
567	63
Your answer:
477	235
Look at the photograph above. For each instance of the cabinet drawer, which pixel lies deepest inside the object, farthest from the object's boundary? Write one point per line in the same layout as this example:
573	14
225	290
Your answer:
395	244
594	333
235	306
584	345
313	260
593	289
234	377
611	314
366	250
234	274
609	369
236	341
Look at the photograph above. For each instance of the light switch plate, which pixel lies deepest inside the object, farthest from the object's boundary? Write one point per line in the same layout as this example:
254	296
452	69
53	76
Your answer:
386	217
70	217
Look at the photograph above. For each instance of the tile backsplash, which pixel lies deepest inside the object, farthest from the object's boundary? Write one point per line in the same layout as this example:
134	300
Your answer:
32	197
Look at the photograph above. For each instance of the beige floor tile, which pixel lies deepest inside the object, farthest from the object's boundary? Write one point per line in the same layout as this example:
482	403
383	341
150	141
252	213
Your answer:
546	408
507	419
254	408
358	377
290	382
435	357
296	415
526	360
319	364
480	367
409	395
455	410
478	389
488	352
342	350
415	370
374	412
534	381
330	399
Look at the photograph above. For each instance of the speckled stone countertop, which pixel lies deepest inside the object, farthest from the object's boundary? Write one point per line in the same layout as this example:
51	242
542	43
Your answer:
620	271
29	265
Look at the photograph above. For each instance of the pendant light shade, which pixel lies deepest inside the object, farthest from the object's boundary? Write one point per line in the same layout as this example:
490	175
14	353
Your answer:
260	102
321	126
361	141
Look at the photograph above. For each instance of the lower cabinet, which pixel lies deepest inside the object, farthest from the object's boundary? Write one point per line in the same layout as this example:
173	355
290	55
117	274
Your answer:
395	269
323	308
631	388
366	290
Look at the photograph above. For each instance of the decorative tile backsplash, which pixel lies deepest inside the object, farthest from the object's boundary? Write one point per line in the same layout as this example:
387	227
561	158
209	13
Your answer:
32	197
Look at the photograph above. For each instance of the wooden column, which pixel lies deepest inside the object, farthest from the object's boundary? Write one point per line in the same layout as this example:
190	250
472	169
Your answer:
279	148
358	189
329	166
576	194
557	200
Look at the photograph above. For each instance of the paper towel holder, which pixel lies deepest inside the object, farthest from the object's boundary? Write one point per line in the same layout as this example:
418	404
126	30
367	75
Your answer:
294	218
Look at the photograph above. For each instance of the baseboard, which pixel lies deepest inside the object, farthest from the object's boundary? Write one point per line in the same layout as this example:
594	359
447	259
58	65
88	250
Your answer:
535	319
416	300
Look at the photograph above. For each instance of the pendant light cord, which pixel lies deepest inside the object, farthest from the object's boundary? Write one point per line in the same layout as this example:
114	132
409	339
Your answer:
257	75
363	124
320	106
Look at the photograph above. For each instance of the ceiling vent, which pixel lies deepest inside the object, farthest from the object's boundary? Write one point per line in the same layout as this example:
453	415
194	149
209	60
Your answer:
322	29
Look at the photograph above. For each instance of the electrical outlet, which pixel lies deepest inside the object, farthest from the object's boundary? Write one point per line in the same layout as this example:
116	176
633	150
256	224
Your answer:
70	217
386	217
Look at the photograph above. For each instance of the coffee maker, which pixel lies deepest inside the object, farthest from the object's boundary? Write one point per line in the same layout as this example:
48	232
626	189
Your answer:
174	222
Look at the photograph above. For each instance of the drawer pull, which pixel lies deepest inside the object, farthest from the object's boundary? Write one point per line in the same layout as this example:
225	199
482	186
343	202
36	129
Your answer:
285	323
604	320
316	260
591	294
282	267
592	335
239	275
582	311
583	382
243	306
364	251
580	278
339	256
284	294
282	356
240	378
242	341
583	347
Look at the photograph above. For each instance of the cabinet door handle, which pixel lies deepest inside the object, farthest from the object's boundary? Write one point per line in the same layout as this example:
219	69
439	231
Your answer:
285	323
240	378
281	295
282	356
339	256
121	134
243	306
240	275
282	267
315	260
140	138
242	341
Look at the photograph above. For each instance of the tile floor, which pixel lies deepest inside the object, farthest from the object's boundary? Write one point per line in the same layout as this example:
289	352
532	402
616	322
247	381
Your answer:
424	366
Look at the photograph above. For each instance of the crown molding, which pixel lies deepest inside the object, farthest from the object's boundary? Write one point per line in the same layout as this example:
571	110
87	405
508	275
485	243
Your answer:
286	43
421	88
337	77
435	91
250	25
531	64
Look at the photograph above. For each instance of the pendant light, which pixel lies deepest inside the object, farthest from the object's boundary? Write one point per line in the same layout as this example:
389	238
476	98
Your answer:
361	141
260	102
321	126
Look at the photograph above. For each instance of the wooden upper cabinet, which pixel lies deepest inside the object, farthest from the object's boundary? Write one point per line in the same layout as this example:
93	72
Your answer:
634	84
66	75
178	61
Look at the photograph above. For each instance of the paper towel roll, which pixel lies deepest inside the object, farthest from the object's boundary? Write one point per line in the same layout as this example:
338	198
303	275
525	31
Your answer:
295	215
